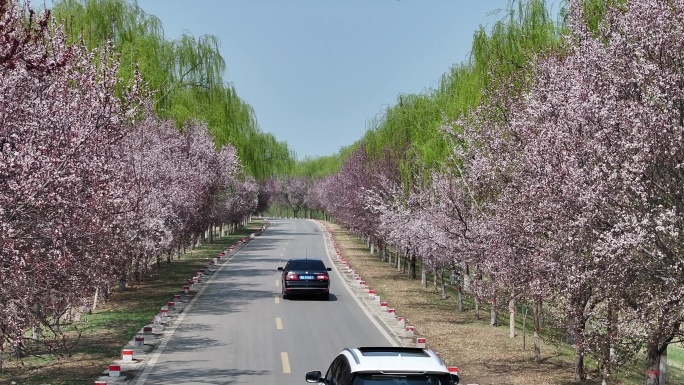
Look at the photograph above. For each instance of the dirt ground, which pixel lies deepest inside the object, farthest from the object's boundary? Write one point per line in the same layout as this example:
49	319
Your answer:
484	354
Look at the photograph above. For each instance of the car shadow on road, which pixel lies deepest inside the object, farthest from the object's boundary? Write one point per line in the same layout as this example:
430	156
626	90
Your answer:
311	297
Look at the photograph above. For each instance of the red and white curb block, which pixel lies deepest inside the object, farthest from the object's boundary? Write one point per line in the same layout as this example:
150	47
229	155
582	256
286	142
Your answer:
420	342
114	370
383	306
100	383
127	355
139	340
409	331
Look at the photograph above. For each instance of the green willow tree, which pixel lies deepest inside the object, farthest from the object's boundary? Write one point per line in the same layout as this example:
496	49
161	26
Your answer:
186	75
411	129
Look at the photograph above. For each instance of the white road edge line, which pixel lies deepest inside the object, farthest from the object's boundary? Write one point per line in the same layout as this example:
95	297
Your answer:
370	316
160	349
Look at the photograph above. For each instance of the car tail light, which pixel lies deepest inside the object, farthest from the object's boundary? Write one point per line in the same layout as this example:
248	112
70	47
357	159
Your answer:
291	277
322	277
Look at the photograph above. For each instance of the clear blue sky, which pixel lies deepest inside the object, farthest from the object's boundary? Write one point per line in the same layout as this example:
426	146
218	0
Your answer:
315	71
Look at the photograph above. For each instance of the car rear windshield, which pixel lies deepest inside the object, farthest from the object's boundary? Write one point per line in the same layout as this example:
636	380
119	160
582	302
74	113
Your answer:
397	379
307	264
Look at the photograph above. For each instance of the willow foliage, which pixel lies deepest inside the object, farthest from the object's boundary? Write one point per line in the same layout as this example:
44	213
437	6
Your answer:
186	75
410	129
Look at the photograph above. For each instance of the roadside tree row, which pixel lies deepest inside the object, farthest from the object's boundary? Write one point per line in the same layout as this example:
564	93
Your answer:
562	190
95	187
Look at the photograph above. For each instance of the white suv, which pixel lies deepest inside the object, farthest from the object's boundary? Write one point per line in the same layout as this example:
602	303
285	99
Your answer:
386	366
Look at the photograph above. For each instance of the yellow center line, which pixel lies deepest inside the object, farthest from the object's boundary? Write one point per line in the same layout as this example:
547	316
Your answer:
286	362
277	299
279	323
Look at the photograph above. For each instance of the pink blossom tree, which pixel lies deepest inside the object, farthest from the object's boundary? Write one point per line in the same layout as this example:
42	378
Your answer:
63	191
591	157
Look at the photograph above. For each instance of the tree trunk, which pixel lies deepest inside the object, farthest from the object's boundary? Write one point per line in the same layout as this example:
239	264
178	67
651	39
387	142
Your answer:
467	283
423	277
459	293
656	363
477	307
536	318
434	281
412	267
136	269
580	373
492	314
579	345
97	294
122	282
444	291
524	327
511	320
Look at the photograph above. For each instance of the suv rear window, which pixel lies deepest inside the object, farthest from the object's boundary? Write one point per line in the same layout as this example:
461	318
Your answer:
307	264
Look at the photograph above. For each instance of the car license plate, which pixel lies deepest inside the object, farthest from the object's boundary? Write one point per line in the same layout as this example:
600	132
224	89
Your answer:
306	277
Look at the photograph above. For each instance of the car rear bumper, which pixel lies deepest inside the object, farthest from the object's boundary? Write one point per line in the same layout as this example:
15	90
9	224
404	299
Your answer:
306	289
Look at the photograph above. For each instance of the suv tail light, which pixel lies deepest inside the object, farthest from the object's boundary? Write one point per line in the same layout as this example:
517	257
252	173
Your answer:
322	277
291	277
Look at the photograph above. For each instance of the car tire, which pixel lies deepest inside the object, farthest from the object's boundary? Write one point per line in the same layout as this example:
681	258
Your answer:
285	295
326	297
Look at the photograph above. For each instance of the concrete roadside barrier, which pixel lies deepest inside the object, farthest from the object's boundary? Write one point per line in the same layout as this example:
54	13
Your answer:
139	340
420	342
383	306
171	305
401	322
392	312
147	330
371	294
410	330
127	355
100	383
114	370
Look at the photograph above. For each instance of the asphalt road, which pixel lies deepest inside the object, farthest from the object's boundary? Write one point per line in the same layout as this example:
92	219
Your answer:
240	330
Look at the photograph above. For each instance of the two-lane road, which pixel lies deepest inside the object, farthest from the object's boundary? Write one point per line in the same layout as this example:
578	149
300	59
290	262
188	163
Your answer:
240	331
